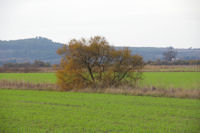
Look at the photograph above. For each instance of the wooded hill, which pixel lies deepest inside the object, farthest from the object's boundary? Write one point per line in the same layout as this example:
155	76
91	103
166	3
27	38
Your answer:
40	48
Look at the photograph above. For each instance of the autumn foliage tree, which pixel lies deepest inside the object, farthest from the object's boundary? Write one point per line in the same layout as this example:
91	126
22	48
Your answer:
94	63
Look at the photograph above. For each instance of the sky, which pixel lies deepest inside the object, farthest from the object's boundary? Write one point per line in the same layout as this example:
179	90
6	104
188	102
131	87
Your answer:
140	23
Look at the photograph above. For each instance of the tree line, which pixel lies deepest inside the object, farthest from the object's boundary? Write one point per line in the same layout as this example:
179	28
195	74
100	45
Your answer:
36	63
36	66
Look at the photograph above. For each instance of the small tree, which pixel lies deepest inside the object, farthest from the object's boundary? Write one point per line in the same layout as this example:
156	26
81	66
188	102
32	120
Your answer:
170	54
94	63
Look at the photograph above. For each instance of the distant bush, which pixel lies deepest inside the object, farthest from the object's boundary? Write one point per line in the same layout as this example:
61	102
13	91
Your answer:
94	63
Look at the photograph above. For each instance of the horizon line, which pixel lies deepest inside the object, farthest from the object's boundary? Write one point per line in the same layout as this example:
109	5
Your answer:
116	45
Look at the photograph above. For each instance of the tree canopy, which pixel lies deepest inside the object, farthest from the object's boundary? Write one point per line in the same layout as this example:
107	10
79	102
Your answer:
94	63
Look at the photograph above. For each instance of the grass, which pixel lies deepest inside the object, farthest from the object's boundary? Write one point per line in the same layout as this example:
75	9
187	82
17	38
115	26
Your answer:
44	111
30	77
184	80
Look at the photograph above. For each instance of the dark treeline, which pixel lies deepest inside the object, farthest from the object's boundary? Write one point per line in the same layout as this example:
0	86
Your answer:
36	66
36	63
176	62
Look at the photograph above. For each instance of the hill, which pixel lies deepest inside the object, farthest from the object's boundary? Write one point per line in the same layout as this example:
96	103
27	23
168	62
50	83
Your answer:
155	53
28	50
40	48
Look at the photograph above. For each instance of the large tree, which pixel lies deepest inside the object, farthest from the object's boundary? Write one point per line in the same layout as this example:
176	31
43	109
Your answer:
94	63
170	54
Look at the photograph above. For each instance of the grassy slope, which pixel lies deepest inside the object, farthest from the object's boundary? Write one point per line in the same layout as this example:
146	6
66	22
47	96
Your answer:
43	111
186	80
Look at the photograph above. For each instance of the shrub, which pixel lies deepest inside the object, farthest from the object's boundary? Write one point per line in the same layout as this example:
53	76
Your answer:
94	63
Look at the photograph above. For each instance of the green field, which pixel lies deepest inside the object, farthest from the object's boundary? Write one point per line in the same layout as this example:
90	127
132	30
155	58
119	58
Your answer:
185	80
47	112
30	77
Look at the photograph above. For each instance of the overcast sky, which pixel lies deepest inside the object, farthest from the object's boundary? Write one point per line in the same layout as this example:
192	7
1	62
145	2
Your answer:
158	23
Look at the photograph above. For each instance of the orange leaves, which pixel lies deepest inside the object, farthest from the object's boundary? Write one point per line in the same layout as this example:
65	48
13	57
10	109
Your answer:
62	50
93	62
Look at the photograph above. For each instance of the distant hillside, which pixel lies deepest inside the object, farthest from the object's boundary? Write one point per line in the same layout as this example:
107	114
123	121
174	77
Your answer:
28	50
154	53
39	48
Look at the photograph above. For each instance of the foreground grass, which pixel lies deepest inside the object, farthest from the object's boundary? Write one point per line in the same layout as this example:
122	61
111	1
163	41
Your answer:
184	80
43	111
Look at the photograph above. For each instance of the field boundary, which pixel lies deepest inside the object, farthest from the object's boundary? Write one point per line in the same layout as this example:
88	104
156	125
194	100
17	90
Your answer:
151	91
176	93
24	85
